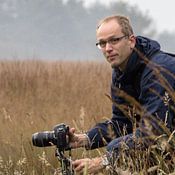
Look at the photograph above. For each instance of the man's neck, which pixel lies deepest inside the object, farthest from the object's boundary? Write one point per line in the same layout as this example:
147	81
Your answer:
122	67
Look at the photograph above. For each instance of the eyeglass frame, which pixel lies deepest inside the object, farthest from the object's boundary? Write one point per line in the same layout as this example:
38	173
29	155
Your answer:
112	41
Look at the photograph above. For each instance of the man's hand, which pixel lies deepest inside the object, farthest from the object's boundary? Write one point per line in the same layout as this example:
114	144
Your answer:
90	166
77	140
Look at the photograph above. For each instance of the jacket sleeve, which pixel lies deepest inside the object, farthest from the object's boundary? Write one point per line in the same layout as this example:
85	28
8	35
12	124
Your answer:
103	133
155	97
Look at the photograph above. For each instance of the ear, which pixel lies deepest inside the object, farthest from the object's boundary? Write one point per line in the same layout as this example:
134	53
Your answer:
132	40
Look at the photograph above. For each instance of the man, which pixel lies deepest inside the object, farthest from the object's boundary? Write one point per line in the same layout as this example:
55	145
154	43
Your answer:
141	81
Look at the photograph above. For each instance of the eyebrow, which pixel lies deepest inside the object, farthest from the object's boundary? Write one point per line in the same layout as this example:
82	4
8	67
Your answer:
107	38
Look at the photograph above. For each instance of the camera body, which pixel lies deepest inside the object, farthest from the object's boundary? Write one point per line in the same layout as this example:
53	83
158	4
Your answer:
58	137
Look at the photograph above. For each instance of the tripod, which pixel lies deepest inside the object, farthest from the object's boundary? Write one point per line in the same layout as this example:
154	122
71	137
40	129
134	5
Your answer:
66	165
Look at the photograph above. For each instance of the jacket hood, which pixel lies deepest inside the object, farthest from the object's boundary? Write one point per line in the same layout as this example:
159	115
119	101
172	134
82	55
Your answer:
147	46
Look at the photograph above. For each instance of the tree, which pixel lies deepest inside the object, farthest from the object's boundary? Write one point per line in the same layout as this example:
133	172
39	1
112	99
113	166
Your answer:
56	30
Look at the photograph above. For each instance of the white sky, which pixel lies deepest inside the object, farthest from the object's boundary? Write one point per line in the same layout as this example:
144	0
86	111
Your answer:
161	11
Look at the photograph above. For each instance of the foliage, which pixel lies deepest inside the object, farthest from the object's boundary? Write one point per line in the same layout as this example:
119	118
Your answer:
52	29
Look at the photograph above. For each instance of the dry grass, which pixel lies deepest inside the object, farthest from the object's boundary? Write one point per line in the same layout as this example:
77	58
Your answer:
36	95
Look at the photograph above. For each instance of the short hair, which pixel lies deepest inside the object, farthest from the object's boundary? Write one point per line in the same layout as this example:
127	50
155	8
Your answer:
123	21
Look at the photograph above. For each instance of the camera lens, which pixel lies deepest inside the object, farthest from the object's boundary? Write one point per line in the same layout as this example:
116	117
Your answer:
42	139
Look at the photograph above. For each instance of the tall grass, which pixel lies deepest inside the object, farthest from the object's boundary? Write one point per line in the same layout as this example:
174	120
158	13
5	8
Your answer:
35	95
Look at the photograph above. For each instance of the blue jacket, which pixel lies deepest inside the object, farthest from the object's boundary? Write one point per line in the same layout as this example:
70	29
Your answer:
138	92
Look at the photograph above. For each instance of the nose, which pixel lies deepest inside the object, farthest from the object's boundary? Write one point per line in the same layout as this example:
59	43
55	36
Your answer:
108	47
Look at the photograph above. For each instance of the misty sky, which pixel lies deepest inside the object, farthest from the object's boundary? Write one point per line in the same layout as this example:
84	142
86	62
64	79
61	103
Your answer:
161	11
28	30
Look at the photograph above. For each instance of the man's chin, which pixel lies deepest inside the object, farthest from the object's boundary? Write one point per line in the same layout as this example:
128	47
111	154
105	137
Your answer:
114	65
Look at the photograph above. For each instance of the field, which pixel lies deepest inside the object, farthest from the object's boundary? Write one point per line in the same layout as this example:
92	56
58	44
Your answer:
36	95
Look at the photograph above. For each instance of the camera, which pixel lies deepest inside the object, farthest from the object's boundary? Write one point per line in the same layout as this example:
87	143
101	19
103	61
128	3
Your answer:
58	137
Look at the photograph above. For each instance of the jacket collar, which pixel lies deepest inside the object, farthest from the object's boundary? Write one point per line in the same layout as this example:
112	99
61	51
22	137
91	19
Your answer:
147	47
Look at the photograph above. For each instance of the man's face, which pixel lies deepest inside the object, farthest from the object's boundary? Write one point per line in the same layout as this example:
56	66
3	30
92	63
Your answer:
116	47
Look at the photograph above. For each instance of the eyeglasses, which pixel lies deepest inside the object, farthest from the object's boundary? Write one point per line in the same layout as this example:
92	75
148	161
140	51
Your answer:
112	41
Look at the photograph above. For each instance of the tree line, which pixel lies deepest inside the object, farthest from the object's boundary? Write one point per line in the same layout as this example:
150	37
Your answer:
57	30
